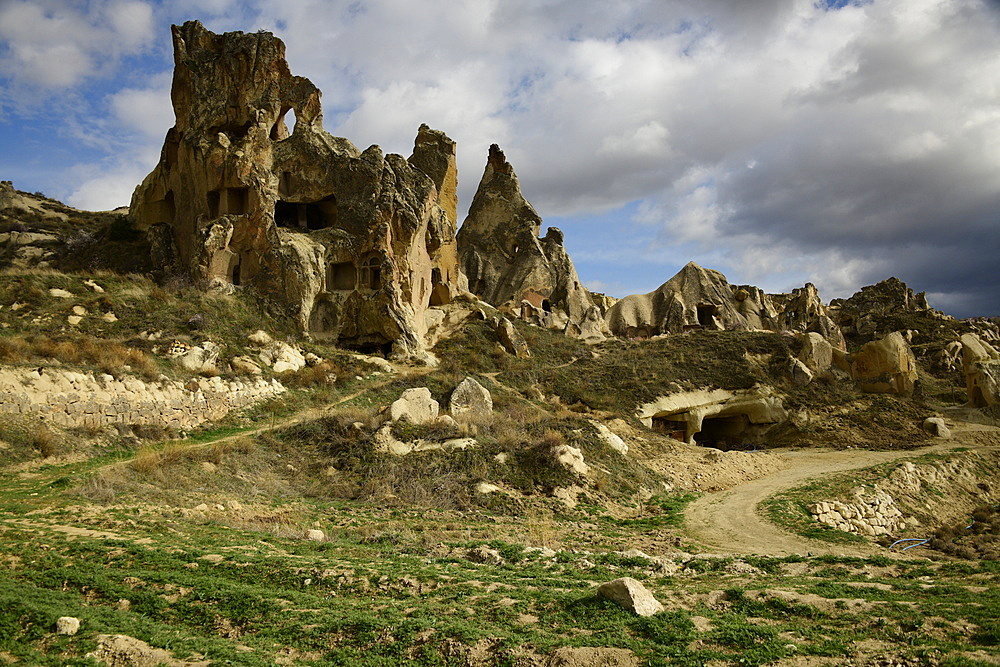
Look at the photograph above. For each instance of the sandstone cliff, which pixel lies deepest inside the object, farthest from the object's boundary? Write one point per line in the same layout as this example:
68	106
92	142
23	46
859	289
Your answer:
509	266
355	245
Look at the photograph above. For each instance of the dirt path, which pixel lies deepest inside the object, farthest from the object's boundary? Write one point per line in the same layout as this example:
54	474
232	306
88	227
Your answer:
729	521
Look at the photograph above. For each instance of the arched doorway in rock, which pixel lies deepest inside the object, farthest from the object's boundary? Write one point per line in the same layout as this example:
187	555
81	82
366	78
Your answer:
371	273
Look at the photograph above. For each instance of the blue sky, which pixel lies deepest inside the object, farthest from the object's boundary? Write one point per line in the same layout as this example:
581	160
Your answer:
779	141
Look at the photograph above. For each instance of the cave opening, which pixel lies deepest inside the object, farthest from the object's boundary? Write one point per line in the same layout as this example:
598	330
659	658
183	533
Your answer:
309	216
722	432
706	314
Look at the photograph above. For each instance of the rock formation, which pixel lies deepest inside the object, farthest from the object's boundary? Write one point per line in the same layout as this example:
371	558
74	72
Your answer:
981	365
506	262
885	366
858	314
354	245
698	298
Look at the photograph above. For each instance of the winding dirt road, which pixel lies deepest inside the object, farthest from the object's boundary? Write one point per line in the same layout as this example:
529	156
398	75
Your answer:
729	521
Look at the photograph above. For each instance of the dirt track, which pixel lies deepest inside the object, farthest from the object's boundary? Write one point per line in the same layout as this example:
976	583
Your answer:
728	521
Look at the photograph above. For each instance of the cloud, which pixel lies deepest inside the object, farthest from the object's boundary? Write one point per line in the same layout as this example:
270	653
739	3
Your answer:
52	45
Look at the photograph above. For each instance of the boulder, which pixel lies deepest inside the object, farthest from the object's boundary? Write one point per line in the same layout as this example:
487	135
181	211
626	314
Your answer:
201	357
630	595
936	427
415	406
315	535
67	625
885	366
799	373
816	352
511	339
506	262
355	245
470	398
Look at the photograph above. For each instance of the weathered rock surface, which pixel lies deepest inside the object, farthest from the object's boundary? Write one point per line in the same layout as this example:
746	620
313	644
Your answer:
885	366
415	406
506	262
70	398
609	437
981	365
355	245
631	595
571	459
470	398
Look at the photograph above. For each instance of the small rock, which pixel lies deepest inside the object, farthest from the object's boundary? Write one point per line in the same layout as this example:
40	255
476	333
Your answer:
201	508
631	595
415	406
94	286
109	317
67	625
79	310
485	488
571	459
936	427
74	319
484	554
60	293
315	535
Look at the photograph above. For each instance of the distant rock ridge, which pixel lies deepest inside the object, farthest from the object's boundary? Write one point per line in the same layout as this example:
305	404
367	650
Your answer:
509	266
699	298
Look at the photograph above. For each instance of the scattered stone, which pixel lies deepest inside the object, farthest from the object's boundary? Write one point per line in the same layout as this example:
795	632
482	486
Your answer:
511	339
485	555
936	427
315	535
799	373
67	625
571	459
470	398
126	651
610	438
109	317
79	310
60	293
631	595
74	320
94	286
415	406
200	508
485	488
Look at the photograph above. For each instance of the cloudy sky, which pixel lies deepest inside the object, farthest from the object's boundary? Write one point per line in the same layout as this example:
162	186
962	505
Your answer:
780	141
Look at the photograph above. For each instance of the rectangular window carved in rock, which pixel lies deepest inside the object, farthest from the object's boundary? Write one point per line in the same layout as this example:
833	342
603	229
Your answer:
237	201
214	198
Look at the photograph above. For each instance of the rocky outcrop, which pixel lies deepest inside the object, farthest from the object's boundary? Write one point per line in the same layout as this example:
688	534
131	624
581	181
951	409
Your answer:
506	262
885	366
354	245
981	365
859	314
699	298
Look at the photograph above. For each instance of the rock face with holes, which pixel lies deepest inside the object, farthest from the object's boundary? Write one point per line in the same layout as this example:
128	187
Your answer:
506	262
860	313
356	245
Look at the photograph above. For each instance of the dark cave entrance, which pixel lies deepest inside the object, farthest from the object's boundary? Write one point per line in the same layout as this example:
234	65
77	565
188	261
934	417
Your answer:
722	432
308	216
706	314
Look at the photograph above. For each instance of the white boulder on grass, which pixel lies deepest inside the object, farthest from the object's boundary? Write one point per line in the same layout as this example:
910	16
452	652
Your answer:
630	594
610	438
67	625
571	459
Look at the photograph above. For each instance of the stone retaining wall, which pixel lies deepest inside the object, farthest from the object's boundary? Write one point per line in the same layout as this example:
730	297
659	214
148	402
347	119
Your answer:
69	398
870	514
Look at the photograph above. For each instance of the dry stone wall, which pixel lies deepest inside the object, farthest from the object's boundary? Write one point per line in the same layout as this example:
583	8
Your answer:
69	398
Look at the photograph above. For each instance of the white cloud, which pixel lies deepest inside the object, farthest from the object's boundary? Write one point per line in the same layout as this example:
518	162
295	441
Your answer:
53	44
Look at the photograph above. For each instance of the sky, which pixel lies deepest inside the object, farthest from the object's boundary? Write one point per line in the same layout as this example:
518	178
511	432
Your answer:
838	142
